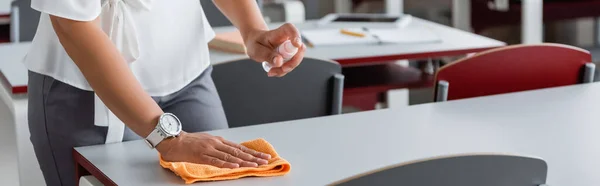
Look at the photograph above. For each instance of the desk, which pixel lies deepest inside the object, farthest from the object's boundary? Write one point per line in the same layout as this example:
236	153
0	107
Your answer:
13	86
365	93
559	125
454	42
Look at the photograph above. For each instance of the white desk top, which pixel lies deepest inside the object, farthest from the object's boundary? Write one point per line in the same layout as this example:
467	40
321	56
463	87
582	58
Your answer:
11	63
559	125
452	40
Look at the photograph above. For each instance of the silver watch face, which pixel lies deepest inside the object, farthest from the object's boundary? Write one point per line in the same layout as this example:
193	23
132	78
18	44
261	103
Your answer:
170	124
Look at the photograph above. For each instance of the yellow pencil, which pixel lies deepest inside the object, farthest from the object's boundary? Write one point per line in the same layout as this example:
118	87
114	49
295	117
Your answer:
307	43
351	33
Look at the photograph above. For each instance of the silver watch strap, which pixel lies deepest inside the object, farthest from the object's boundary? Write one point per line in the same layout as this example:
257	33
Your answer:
154	138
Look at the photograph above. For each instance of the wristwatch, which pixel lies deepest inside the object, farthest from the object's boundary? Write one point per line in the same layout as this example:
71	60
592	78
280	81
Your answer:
168	126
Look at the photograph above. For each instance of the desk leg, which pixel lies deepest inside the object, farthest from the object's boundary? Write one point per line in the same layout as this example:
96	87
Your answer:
597	31
84	167
79	172
394	7
532	22
343	6
461	14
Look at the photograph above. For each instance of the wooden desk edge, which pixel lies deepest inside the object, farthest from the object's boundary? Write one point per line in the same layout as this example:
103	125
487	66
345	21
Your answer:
84	167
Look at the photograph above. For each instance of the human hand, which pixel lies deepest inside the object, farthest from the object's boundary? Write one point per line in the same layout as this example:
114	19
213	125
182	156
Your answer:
261	45
204	148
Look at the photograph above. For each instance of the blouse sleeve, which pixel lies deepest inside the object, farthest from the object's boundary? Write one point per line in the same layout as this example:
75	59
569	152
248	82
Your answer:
78	10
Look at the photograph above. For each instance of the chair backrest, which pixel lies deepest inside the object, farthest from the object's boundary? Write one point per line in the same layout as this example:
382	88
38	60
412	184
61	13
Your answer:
459	170
24	21
249	97
514	68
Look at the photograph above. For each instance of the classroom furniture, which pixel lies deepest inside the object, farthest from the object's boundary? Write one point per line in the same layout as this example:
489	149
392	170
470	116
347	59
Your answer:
291	11
454	42
24	21
457	170
89	181
13	86
514	68
249	97
369	73
391	6
8	143
558	125
530	12
556	10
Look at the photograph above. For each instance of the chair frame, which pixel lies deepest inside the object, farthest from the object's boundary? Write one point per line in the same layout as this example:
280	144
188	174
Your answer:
351	178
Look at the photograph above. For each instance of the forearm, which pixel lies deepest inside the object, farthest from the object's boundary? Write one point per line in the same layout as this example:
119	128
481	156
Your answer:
244	14
108	74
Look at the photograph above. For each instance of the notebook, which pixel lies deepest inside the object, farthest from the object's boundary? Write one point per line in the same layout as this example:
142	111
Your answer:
228	42
333	36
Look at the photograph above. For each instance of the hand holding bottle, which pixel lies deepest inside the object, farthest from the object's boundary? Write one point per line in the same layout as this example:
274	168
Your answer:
287	51
269	46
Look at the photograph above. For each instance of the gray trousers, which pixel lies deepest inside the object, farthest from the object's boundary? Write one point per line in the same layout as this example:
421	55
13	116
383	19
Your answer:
62	117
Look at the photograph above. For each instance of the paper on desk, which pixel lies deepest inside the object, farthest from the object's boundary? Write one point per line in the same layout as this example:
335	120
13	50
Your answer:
322	37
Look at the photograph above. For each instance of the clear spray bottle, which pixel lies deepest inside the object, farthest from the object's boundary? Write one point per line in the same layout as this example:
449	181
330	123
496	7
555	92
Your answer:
287	50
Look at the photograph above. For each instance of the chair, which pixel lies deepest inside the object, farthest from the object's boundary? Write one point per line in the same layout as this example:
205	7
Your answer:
459	170
249	97
514	68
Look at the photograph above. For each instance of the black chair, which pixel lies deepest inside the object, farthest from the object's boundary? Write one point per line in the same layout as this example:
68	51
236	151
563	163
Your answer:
458	170
249	97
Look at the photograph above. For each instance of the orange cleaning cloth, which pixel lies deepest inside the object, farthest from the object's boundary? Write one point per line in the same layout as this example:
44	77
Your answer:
192	172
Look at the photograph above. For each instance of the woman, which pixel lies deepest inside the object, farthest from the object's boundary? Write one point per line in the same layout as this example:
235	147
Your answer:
103	71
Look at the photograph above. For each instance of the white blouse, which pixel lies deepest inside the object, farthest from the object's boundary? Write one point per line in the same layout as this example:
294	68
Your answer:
164	43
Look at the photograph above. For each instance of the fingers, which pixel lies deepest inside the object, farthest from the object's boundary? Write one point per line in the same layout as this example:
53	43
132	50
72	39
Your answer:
290	65
231	158
263	53
218	162
285	32
247	150
242	156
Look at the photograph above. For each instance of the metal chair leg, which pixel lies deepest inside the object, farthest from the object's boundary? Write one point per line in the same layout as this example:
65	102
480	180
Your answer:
588	74
442	91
